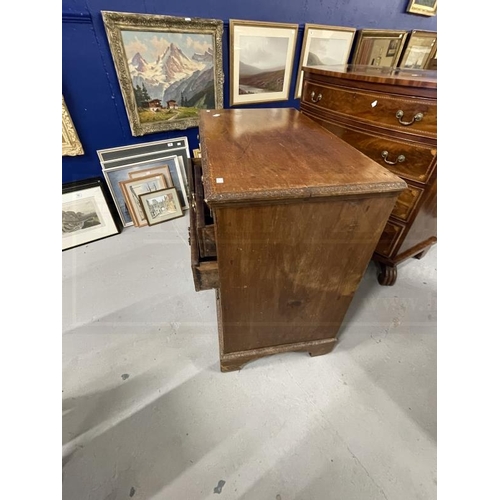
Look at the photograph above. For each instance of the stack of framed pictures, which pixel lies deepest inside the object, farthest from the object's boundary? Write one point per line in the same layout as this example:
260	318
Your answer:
131	171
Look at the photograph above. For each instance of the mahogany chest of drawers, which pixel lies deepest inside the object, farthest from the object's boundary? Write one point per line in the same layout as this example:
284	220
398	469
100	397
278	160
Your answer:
284	219
390	115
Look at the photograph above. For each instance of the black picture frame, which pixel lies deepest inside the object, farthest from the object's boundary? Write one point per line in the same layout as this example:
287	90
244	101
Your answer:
88	213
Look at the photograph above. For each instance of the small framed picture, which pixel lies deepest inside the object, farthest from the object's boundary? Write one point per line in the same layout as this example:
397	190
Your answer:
422	7
133	188
160	206
261	61
88	213
323	46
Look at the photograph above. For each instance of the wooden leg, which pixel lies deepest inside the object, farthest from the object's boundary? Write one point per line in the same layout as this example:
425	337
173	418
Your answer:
235	361
422	254
230	366
321	349
387	275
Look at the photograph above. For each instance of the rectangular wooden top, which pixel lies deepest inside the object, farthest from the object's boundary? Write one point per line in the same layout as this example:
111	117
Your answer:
276	154
424	78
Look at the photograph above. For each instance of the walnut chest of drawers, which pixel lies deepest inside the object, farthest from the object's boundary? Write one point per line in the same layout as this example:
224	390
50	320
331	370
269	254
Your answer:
390	115
284	219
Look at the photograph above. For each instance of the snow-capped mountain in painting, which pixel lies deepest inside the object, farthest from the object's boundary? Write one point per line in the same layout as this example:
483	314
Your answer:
174	76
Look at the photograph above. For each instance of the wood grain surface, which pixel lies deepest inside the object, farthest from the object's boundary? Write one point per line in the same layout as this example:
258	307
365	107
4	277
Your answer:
276	154
359	105
386	76
375	108
419	159
288	272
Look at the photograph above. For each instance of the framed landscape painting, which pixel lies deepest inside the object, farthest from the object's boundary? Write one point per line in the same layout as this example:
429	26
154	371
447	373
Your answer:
87	213
261	61
168	68
323	46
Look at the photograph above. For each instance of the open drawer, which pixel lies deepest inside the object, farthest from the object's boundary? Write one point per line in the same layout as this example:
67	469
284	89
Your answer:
201	232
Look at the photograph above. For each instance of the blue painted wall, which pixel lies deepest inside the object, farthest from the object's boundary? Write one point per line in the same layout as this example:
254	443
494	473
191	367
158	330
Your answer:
91	88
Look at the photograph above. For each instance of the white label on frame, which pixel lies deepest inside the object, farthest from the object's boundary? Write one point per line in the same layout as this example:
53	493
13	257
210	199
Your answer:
219	180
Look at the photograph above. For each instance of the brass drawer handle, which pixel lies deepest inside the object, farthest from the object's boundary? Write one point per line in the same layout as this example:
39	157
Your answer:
313	94
399	159
416	118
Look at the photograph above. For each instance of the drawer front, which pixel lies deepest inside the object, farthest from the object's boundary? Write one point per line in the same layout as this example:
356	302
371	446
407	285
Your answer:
203	253
410	115
389	238
406	202
410	161
204	220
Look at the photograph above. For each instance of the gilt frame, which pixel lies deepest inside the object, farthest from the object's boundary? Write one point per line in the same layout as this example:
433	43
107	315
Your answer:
116	22
71	145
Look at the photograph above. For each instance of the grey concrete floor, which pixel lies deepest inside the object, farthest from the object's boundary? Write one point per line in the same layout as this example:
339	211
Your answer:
147	413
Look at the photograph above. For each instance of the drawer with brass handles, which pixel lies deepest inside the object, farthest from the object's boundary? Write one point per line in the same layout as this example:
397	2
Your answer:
398	113
410	161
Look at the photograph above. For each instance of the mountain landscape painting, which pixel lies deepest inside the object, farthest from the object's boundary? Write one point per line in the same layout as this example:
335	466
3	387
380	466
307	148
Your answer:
323	46
172	74
261	60
324	51
262	64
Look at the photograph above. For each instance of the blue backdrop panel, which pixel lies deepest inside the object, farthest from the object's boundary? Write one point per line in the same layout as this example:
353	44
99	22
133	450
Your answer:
90	85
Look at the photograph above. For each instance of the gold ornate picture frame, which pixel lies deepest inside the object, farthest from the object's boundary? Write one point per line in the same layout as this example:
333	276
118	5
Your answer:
168	68
261	56
422	7
379	47
71	145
